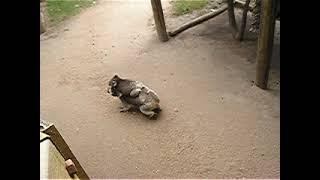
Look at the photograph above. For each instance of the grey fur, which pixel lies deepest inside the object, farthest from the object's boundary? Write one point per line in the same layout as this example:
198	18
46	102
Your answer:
134	94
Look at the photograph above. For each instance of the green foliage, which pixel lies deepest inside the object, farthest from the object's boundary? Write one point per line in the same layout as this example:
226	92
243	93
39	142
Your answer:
59	10
186	6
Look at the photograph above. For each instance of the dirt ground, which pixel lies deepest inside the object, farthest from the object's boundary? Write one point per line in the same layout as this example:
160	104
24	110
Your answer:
214	123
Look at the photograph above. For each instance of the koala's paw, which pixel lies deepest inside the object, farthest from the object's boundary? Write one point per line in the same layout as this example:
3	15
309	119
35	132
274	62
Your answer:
124	109
153	116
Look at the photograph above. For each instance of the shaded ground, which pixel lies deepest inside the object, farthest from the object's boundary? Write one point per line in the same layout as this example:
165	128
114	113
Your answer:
223	127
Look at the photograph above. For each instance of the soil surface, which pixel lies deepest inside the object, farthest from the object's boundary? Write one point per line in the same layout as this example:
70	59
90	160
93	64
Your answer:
215	123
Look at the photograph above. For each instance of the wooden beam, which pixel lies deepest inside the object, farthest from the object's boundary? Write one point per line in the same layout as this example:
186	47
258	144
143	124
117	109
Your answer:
197	21
159	20
265	42
64	149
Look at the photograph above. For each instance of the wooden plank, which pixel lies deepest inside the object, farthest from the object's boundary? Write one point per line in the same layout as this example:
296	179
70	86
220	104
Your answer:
63	148
159	20
265	42
197	21
52	164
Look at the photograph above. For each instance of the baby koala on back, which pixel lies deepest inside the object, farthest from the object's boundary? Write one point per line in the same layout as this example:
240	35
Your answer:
134	94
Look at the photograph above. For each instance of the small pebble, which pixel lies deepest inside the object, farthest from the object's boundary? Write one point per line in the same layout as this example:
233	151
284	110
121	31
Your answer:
241	169
66	29
176	110
77	5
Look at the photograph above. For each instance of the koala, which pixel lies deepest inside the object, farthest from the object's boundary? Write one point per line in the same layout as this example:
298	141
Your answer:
134	94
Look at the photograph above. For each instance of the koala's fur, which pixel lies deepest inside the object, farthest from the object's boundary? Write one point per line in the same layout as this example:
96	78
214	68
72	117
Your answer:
134	94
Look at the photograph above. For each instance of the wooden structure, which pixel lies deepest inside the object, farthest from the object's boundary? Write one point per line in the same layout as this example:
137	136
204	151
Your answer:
43	26
265	41
55	156
197	21
159	20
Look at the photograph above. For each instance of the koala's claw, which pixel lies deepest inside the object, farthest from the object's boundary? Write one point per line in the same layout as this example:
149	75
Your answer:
124	109
153	116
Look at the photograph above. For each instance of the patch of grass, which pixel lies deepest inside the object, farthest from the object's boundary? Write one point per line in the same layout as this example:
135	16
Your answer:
59	10
186	6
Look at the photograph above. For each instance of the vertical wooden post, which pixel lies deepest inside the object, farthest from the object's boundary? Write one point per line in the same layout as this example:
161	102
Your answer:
42	24
232	19
159	20
265	42
43	27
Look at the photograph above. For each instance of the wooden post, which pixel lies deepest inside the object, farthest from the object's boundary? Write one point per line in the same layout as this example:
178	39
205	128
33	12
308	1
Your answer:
42	24
244	20
232	19
159	20
265	42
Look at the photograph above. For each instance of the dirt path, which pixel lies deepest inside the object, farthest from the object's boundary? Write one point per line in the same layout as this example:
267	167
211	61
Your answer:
214	123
